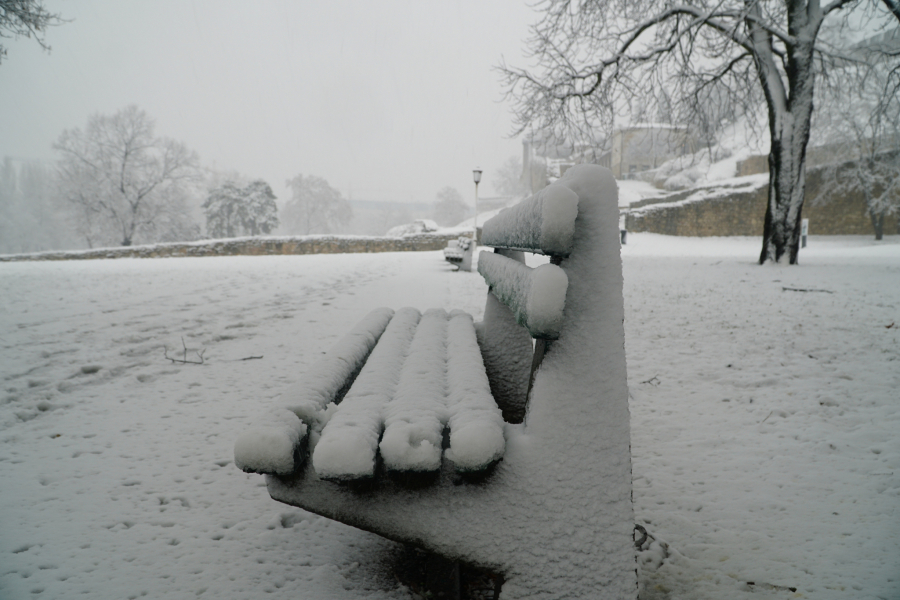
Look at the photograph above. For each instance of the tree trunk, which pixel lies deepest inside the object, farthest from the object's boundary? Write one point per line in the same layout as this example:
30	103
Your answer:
787	186
790	112
877	223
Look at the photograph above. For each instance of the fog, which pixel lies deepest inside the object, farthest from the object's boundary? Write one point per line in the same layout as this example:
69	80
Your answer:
388	100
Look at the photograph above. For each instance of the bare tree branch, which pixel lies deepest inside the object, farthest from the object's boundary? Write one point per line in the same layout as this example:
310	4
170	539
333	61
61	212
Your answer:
184	358
601	62
893	6
25	18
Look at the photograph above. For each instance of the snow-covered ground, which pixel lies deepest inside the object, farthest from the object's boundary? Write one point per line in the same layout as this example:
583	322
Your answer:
764	420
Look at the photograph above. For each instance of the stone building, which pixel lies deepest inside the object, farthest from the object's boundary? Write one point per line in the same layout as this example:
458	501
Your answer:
628	153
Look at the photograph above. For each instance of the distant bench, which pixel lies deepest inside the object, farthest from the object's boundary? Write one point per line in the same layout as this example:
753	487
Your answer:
459	253
411	426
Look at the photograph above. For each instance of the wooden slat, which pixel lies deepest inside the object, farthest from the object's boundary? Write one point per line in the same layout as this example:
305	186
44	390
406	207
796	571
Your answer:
475	420
329	378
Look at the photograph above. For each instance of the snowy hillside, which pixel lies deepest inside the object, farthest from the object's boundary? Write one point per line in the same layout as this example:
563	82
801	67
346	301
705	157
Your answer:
713	164
763	402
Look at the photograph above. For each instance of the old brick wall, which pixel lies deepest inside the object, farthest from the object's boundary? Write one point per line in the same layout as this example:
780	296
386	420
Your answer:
256	247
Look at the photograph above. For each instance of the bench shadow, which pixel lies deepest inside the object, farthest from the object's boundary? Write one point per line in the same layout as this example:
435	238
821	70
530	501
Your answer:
432	576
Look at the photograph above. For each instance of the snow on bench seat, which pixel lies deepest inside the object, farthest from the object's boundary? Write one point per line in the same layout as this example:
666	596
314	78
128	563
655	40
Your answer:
271	446
414	418
349	441
476	423
424	375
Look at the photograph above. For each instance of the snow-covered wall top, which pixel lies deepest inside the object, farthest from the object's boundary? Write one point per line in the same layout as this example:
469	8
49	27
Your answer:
543	224
258	246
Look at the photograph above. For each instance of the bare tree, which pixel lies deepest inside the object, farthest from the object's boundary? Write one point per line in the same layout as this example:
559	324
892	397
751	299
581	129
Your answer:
25	18
315	207
602	59
510	179
859	131
125	182
450	208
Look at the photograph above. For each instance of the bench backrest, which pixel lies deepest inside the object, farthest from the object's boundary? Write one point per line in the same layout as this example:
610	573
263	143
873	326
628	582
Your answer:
533	298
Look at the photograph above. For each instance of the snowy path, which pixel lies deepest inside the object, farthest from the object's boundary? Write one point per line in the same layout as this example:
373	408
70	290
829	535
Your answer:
118	483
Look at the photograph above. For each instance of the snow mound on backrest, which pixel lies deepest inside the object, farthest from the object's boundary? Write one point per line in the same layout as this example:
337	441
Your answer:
544	223
537	296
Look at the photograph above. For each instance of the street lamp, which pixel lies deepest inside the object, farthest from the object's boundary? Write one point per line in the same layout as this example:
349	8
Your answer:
476	175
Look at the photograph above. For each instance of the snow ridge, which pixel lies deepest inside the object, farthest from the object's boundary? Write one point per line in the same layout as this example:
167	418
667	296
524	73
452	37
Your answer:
322	383
349	441
414	418
544	223
536	296
272	445
476	423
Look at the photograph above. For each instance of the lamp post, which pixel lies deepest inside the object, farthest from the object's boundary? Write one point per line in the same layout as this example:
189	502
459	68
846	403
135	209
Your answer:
476	175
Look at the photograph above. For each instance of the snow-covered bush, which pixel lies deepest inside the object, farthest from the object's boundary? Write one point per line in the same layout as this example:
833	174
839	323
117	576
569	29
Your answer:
416	227
233	210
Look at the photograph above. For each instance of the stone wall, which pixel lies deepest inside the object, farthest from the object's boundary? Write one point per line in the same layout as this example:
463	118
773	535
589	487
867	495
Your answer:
701	213
724	211
256	247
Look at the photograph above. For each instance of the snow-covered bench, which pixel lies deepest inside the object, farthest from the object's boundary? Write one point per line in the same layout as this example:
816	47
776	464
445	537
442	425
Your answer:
405	405
459	253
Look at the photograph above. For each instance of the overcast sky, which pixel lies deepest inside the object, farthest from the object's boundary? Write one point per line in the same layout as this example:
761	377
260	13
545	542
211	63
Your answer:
387	100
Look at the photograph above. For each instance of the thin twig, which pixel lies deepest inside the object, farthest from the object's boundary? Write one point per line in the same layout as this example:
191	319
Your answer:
184	359
790	289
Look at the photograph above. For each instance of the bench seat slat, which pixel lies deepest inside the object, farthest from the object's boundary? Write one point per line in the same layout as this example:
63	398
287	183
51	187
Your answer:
328	377
543	224
270	445
349	441
536	297
414	418
476	423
